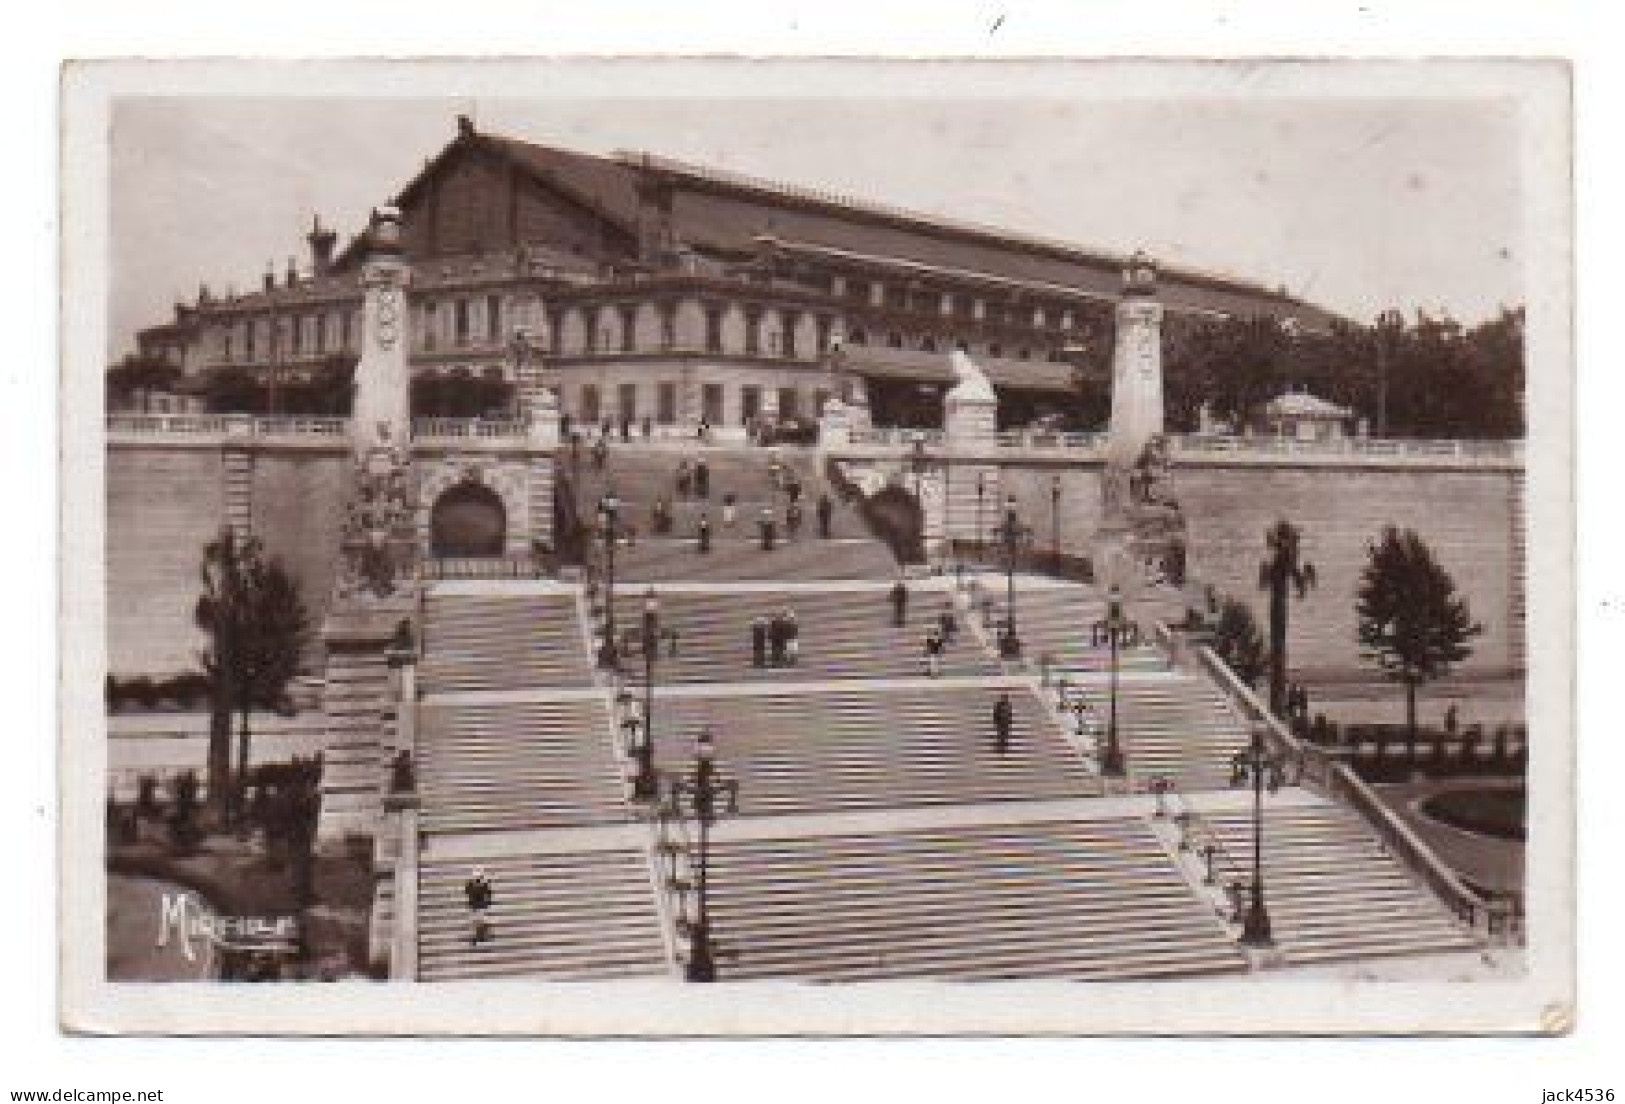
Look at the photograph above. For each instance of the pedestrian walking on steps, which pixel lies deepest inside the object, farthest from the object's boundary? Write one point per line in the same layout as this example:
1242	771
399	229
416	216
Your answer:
826	514
766	526
776	641
730	512
660	521
933	651
702	479
648	427
604	429
792	520
899	603
600	453
949	621
758	642
1004	719
704	534
792	637
685	478
626	427
479	893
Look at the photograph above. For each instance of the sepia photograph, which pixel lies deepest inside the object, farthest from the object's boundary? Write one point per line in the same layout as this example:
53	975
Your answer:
750	548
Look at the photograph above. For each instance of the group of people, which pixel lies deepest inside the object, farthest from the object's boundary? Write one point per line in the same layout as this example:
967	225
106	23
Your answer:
775	641
940	633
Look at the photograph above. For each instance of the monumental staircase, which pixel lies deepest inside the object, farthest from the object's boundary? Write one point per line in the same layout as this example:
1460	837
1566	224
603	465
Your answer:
879	832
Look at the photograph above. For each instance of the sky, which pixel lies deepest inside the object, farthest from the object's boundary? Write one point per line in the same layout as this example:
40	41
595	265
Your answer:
1358	203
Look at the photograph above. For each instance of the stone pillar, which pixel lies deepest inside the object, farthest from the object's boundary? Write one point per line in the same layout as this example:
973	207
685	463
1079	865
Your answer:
237	466
971	407
382	416
835	425
1137	414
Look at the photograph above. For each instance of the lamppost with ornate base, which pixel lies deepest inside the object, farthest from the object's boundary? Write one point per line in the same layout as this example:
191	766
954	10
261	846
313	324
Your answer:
609	511
1116	631
1055	520
645	784
1012	534
706	793
1263	768
981	492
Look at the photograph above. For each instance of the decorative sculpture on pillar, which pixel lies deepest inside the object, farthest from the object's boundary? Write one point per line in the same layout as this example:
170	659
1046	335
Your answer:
971	407
1142	532
379	539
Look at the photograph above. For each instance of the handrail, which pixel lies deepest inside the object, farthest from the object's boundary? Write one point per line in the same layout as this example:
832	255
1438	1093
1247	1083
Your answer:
673	855
521	565
467	428
1339	780
403	951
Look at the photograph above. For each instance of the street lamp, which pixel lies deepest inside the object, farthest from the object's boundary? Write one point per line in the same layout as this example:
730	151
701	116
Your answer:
1012	533
1389	324
917	463
1055	519
981	492
609	511
1117	632
645	785
706	793
1262	767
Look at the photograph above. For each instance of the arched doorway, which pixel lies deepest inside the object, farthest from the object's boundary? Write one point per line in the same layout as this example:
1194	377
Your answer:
468	520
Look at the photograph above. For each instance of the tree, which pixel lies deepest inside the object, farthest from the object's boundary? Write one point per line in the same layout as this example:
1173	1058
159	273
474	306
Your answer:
1283	573
257	628
1238	641
1412	623
137	374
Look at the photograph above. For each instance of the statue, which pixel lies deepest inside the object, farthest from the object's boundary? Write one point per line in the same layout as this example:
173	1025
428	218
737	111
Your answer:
1150	473
970	382
378	526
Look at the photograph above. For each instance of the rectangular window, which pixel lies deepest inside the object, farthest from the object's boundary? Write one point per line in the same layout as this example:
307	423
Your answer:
555	332
668	326
346	330
711	403
589	403
666	403
429	318
750	404
296	333
789	403
460	321
493	319
321	333
591	336
629	329
713	329
787	343
225	352
248	339
629	401
824	323
753	333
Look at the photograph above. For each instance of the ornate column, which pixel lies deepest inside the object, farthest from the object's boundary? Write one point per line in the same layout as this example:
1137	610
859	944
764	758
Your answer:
376	590
1137	364
1141	536
971	424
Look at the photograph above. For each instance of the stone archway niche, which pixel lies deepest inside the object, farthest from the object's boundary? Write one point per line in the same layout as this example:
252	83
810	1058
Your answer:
468	520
